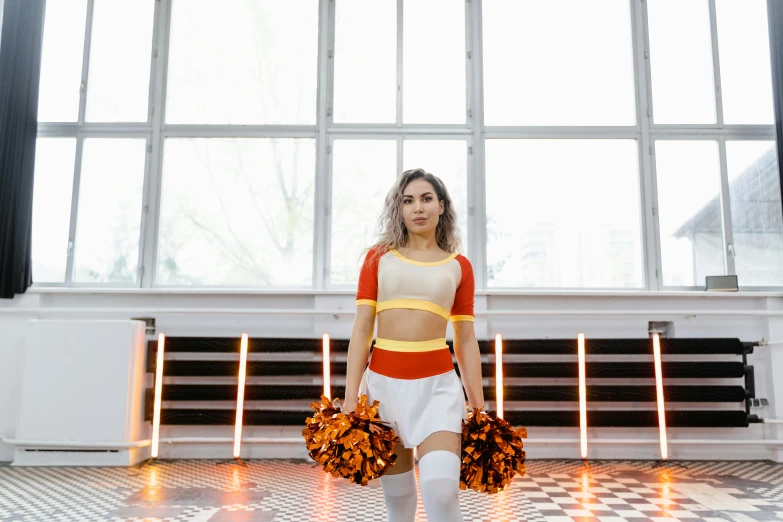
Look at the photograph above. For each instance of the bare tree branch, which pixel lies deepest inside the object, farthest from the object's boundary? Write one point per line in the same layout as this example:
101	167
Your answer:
229	252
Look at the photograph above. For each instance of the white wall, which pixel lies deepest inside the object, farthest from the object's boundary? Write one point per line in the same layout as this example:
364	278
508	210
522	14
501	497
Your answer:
134	303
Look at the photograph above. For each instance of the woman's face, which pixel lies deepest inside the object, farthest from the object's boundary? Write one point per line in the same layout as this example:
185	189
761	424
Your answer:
420	207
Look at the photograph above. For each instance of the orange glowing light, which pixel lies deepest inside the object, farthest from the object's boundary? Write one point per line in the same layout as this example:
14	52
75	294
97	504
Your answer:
659	393
666	494
240	395
499	375
327	369
158	395
582	395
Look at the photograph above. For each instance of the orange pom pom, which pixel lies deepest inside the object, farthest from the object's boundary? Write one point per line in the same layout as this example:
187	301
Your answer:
358	446
491	452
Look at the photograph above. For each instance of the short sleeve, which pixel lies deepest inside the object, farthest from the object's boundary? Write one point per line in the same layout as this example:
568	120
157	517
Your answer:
367	294
464	298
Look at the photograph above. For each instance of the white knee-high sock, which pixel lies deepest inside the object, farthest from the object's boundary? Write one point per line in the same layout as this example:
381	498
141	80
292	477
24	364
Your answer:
439	483
399	492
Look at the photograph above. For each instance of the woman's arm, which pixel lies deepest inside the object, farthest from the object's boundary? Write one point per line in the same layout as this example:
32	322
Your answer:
469	359
358	353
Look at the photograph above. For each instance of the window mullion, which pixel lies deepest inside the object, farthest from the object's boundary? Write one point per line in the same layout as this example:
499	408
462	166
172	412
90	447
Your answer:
725	201
400	150
400	57
477	204
151	208
321	223
651	241
716	63
86	62
74	209
69	267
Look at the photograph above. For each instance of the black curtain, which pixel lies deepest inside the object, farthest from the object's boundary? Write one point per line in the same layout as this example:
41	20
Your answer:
775	16
20	71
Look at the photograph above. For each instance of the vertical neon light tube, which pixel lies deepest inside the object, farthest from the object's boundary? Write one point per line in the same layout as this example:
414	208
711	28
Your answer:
659	393
499	375
158	395
582	396
240	396
327	369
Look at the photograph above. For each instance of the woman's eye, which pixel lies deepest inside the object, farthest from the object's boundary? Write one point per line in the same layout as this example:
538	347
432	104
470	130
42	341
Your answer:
428	198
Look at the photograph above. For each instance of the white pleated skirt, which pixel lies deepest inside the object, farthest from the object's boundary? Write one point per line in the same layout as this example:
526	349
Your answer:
417	408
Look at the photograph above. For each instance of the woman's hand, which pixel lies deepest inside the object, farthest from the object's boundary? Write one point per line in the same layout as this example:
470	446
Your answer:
348	406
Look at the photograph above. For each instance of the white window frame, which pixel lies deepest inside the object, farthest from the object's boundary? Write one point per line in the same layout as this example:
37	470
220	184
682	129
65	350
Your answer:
645	132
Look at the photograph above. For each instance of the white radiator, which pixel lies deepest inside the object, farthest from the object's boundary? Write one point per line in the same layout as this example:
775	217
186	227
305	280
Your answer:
82	394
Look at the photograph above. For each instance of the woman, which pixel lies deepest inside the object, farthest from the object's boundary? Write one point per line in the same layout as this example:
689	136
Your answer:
415	280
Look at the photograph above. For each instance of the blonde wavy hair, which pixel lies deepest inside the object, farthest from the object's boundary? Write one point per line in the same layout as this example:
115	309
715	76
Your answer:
393	233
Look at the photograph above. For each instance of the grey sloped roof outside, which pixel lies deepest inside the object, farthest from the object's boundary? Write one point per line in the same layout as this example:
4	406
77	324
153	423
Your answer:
754	208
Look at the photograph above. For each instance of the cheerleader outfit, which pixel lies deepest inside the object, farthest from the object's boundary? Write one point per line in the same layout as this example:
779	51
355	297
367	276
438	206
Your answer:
415	382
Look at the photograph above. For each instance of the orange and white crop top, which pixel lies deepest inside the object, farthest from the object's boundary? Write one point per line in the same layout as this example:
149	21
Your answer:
390	280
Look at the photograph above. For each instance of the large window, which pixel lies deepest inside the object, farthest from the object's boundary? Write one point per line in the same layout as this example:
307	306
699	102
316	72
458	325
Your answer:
683	81
54	162
620	144
563	214
434	66
120	55
248	62
365	61
109	213
746	77
236	212
691	229
718	188
559	62
61	61
756	214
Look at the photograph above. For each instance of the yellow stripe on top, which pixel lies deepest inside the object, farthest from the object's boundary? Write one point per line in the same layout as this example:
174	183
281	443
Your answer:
456	318
414	304
368	302
411	346
423	263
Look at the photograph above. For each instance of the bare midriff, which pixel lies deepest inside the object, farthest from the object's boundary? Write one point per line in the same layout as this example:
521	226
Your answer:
402	324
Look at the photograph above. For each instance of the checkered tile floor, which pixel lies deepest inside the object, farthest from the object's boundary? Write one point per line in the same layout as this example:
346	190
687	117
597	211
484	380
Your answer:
296	491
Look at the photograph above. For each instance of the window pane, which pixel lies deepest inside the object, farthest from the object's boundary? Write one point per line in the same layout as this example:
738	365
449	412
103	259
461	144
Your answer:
248	62
365	61
563	214
447	159
61	61
756	213
688	174
120	53
746	73
237	212
559	62
683	81
54	161
434	68
109	216
363	171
